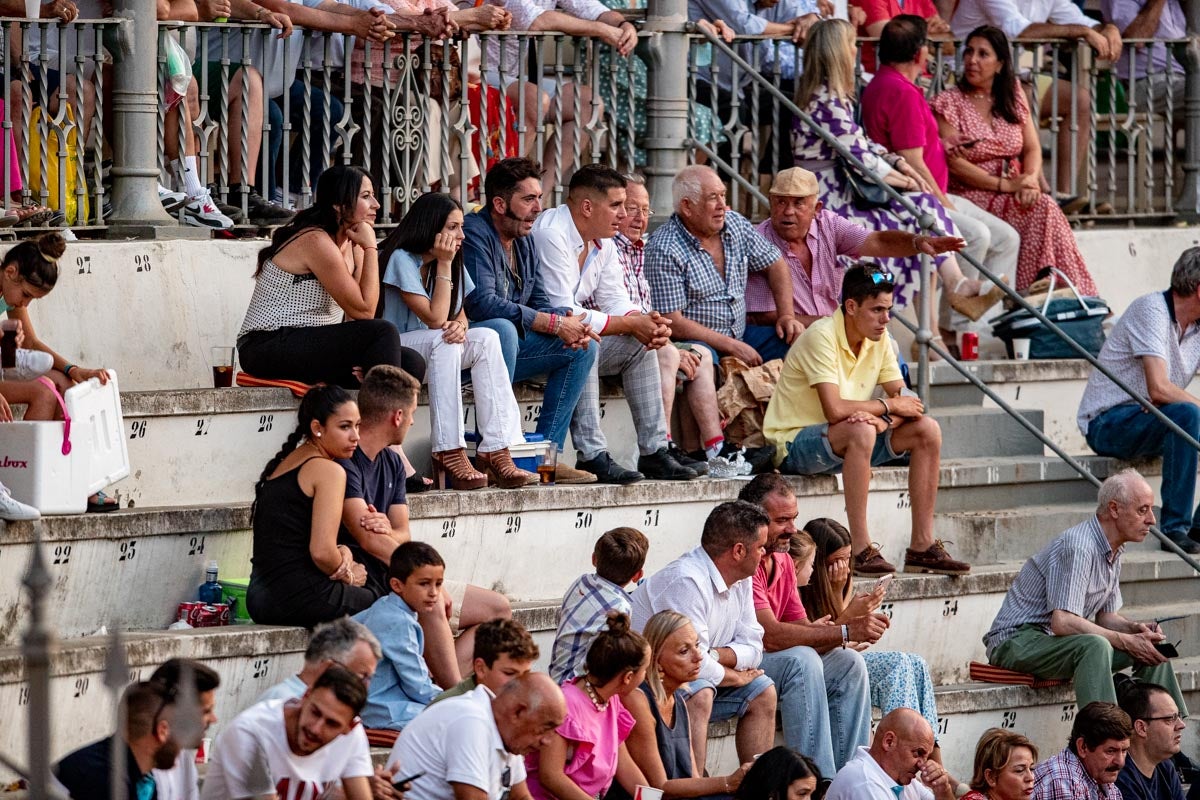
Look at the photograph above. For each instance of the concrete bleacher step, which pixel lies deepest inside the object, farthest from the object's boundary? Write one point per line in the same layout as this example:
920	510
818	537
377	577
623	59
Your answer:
969	431
487	537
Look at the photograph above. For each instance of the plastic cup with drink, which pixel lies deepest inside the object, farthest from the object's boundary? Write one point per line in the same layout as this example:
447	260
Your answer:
8	343
222	367
33	9
548	465
1021	349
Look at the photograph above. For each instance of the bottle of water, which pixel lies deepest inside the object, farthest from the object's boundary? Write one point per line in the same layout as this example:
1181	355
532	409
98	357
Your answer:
210	591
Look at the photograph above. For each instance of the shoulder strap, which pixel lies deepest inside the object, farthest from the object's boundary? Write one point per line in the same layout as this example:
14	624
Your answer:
66	445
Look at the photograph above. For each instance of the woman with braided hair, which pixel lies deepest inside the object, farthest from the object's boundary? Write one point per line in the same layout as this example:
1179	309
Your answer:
300	575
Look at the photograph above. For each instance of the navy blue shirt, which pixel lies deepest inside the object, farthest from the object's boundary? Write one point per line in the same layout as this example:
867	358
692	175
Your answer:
85	773
1163	785
381	484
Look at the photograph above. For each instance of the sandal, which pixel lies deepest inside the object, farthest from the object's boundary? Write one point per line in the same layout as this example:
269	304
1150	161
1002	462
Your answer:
453	467
499	466
32	214
100	503
975	305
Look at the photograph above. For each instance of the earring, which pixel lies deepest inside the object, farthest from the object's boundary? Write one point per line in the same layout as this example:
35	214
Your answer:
318	435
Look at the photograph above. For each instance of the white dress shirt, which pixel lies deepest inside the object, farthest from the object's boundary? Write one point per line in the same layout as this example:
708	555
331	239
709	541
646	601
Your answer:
722	615
601	279
1014	16
863	779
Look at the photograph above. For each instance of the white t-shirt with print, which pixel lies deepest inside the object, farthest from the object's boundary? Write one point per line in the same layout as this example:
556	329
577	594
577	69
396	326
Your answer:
251	757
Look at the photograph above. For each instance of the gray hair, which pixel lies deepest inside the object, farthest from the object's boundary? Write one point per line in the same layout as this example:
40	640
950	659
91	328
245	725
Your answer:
1185	277
686	185
634	177
1120	488
333	641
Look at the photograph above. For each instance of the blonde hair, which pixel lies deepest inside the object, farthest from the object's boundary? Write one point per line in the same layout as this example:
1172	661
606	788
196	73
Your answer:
801	547
994	751
828	61
658	629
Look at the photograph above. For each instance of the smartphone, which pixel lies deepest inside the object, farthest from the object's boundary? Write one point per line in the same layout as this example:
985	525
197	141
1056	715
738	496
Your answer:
402	784
970	144
883	583
1167	649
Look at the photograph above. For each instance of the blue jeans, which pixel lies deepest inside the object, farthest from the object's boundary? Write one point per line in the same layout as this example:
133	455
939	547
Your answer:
1125	431
730	701
825	702
539	354
316	141
763	339
810	452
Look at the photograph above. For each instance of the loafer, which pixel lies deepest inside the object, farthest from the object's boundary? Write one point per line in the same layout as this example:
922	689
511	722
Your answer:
570	475
870	563
935	560
699	466
662	466
608	471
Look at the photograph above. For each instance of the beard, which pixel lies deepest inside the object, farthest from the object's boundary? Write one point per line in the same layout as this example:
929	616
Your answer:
166	755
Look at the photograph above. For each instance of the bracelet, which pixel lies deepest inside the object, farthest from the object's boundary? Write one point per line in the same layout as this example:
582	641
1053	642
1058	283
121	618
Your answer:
553	322
999	183
915	246
445	278
845	635
886	410
67	369
369	248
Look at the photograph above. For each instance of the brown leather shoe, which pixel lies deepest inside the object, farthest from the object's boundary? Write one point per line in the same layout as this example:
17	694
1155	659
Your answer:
870	563
935	560
568	474
499	466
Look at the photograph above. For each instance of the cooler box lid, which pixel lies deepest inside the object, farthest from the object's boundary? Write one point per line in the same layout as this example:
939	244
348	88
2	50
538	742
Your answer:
95	411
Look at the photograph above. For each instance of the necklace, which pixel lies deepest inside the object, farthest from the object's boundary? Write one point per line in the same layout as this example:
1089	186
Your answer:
593	696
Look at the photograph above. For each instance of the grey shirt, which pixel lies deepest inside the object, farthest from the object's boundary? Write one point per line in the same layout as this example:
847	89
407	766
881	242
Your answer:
1147	328
1078	572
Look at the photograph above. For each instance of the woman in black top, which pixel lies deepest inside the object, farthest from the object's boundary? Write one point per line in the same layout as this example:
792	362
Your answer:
300	574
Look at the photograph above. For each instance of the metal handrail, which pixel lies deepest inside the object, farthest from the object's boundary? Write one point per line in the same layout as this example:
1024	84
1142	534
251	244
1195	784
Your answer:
927	222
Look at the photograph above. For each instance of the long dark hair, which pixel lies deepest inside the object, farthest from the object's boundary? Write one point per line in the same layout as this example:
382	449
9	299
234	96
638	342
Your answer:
318	404
773	772
415	234
819	597
37	260
1004	85
337	195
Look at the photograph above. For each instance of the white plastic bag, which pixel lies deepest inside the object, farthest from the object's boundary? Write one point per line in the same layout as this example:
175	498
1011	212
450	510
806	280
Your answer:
179	69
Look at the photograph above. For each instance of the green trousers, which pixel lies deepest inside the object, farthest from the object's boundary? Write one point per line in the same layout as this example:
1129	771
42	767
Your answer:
1087	659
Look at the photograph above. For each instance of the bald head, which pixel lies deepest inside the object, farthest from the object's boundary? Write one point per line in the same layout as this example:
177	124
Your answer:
903	741
527	710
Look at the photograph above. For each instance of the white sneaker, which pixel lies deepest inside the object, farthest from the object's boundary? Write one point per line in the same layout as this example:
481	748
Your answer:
13	510
171	201
31	364
202	212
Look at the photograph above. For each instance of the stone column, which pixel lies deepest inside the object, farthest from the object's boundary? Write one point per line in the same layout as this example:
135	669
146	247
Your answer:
1188	204
666	55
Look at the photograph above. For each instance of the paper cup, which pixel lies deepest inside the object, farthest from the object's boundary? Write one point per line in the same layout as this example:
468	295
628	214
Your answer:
33	9
647	793
1021	349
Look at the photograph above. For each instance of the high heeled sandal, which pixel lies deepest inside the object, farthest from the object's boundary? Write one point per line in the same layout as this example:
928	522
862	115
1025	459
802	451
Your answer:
499	466
453	465
974	306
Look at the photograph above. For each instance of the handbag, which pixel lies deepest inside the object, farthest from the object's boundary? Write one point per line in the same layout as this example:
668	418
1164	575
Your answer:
1081	318
865	194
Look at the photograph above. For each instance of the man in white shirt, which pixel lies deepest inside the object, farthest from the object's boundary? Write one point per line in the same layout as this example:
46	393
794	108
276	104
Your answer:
296	750
578	261
473	747
1049	19
711	586
897	765
343	642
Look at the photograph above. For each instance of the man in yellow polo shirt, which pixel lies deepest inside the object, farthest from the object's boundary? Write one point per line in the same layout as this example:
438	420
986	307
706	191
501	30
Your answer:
822	419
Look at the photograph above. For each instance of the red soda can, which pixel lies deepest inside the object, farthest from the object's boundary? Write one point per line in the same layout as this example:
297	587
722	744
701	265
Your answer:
970	346
210	617
189	612
224	613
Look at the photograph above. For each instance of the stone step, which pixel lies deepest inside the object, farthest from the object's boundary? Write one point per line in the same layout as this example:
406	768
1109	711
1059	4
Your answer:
251	658
487	537
967	430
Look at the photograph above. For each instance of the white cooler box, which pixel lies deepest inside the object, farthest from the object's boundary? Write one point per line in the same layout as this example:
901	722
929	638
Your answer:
35	468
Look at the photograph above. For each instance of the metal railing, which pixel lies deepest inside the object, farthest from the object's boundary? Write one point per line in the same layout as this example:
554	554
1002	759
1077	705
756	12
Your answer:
923	333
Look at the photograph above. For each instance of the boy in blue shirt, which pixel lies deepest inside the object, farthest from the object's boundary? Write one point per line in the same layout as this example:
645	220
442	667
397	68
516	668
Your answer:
402	685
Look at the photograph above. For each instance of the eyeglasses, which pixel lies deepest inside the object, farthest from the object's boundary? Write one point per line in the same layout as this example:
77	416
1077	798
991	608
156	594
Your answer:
881	277
1171	718
506	783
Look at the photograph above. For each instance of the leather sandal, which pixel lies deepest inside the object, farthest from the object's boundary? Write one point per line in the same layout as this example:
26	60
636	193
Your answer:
453	466
499	466
974	306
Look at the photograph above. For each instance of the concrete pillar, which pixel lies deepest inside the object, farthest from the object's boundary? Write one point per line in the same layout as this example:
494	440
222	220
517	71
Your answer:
137	211
666	55
1188	204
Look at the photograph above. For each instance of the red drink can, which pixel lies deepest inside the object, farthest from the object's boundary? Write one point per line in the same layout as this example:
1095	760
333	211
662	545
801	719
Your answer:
225	613
210	617
970	346
189	612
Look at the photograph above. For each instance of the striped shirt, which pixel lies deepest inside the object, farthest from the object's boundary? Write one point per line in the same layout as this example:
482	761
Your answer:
1078	572
820	293
684	278
584	613
1062	777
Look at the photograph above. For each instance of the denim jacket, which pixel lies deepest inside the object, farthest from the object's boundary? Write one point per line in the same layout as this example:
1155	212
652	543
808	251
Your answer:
498	293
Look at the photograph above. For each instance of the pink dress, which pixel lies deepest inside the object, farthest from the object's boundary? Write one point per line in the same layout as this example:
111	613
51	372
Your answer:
595	738
1046	237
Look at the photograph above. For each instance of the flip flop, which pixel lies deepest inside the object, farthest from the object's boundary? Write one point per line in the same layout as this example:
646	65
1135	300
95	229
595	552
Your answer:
103	504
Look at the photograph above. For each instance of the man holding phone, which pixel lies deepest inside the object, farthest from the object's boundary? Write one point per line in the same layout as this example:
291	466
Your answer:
1060	618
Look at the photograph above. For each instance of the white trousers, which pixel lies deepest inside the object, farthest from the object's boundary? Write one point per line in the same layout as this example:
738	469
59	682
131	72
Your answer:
496	410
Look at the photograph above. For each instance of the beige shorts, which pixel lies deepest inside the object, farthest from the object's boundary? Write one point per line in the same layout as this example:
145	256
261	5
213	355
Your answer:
457	591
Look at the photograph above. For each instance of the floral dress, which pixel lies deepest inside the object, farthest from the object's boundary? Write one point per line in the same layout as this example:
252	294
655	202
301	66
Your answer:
1046	237
900	680
811	152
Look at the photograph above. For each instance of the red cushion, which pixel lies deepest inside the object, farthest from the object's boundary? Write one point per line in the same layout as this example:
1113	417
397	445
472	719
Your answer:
381	737
989	673
297	388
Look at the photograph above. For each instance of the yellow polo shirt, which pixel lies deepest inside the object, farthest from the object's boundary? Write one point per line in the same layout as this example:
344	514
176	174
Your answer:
822	355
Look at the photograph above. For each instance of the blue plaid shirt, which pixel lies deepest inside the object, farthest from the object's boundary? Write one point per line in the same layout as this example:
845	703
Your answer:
684	278
584	613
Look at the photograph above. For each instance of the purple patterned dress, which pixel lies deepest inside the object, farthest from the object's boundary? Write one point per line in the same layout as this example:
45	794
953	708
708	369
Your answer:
837	116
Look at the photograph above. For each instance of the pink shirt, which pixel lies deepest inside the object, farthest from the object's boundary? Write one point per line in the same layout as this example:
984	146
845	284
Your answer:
897	116
820	293
596	738
781	595
884	10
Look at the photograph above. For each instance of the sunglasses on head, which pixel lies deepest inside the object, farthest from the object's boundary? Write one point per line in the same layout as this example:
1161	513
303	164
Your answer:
881	277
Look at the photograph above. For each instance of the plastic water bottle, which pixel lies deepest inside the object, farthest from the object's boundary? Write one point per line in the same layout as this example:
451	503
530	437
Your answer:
210	590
